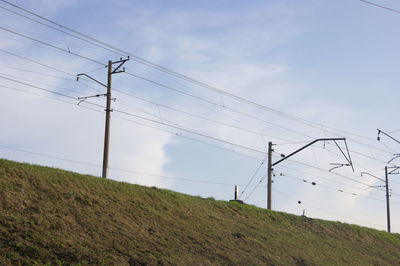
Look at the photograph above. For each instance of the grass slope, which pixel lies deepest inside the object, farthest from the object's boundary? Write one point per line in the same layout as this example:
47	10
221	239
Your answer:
51	216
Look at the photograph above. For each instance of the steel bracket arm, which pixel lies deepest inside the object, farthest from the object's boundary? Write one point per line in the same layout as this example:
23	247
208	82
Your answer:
348	158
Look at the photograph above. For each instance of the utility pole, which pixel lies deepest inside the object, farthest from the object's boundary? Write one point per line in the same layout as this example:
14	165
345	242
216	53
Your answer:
387	199
269	185
395	168
271	165
386	180
107	124
108	110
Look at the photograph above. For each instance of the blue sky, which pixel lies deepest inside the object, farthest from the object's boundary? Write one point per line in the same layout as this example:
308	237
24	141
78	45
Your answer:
334	63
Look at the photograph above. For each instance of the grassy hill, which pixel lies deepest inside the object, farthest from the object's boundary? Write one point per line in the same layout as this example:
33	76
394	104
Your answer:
51	216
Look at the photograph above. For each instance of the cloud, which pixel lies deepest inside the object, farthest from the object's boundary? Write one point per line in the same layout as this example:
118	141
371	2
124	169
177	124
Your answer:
240	51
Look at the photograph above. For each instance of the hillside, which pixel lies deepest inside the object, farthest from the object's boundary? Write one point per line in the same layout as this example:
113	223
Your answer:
54	216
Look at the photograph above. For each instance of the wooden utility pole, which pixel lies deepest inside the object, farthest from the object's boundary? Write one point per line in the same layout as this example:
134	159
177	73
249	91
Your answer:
110	72
269	185
107	124
387	199
392	171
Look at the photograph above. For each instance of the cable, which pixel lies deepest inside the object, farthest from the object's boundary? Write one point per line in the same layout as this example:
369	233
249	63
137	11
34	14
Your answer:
324	170
259	133
323	210
176	74
112	168
246	114
330	188
252	177
38	82
39	88
258	184
192	132
142	118
97	105
218	90
180	128
36	62
317	176
35	72
52	46
380	6
216	104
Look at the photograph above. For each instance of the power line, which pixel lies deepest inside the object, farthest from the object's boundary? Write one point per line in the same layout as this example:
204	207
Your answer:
135	122
259	133
180	127
38	82
252	177
176	74
318	176
256	186
224	107
39	88
52	46
324	170
328	187
192	132
142	118
35	72
173	126
58	29
36	62
112	168
322	210
380	6
199	83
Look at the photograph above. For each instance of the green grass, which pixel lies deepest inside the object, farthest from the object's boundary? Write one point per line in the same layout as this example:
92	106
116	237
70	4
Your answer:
55	217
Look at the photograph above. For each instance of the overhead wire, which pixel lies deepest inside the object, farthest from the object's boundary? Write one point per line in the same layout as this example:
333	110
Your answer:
113	168
34	72
25	84
131	121
324	210
218	90
381	6
171	72
331	188
52	46
252	177
248	115
245	99
143	118
259	133
36	62
193	132
256	186
123	112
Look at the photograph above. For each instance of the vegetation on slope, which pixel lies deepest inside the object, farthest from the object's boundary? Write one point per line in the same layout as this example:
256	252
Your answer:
58	217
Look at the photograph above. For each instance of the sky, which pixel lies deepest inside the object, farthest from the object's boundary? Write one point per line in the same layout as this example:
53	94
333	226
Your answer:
317	69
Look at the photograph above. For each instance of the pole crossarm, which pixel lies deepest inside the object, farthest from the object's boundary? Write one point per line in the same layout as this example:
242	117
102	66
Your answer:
120	62
270	164
386	186
338	165
394	168
386	134
374	176
348	158
82	99
95	80
108	110
395	157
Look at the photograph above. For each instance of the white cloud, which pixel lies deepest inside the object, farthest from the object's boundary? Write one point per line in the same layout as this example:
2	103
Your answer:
237	51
